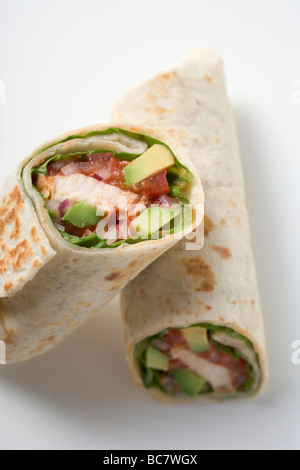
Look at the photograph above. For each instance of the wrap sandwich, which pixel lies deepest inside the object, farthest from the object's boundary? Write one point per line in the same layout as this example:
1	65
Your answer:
79	219
193	319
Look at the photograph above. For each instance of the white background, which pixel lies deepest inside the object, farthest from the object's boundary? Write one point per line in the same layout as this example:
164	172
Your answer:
64	62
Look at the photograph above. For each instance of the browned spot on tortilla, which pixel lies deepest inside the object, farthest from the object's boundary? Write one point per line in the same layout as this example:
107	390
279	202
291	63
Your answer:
159	83
238	220
159	110
151	97
207	78
201	272
142	291
113	276
174	311
4	263
222	251
234	302
16	232
38	350
9	213
88	304
55	324
168	75
221	319
223	223
253	303
113	288
37	263
21	279
171	132
208	307
133	263
70	322
34	234
20	254
8	286
209	225
48	339
168	301
74	260
15	198
218	141
232	202
43	250
10	338
165	76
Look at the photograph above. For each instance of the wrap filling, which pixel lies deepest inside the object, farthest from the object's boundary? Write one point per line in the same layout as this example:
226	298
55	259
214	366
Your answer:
198	360
100	198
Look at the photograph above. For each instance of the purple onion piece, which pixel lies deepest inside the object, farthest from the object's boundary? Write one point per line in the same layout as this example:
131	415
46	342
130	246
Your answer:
97	177
62	208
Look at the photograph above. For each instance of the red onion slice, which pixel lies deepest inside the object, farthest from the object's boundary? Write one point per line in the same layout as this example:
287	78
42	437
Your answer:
97	177
63	206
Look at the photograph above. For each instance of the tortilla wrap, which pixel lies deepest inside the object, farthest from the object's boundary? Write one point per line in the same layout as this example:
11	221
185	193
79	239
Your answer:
49	287
217	285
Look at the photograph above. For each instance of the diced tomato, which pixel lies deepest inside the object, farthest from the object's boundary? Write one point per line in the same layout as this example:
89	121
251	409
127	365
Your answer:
78	232
116	173
153	187
109	168
175	364
175	338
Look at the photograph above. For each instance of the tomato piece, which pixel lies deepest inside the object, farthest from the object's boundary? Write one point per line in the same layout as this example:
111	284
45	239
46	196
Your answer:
153	187
106	166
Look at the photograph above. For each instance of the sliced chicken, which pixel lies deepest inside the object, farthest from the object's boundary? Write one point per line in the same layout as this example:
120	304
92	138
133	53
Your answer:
217	376
78	187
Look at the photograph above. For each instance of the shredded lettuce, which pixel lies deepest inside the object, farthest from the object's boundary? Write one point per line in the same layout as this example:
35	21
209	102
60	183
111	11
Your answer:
93	241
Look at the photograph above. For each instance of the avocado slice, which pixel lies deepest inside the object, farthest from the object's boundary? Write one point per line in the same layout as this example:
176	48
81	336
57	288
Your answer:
189	382
156	159
152	219
197	339
157	360
82	215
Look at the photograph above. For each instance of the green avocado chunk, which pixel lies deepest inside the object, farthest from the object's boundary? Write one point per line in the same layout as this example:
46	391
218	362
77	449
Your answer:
82	215
152	219
197	339
156	159
157	360
189	382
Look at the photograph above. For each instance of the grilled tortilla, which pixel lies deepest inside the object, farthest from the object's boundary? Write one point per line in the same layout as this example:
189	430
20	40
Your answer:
55	267
193	319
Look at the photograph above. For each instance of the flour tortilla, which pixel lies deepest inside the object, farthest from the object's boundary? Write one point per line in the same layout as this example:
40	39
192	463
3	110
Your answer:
49	287
216	285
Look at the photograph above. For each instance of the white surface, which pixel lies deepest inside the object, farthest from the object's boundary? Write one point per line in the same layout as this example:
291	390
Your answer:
64	62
